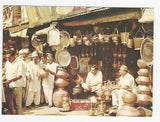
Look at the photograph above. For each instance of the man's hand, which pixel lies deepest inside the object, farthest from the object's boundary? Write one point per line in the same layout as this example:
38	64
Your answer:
29	78
7	82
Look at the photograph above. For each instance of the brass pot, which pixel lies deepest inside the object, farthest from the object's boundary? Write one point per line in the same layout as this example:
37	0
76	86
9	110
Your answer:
143	80
142	89
106	38
141	64
61	82
143	72
144	100
128	111
137	43
77	89
115	37
124	37
61	73
129	98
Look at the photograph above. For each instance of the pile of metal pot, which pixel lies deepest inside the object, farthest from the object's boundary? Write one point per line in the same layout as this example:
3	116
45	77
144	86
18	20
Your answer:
144	90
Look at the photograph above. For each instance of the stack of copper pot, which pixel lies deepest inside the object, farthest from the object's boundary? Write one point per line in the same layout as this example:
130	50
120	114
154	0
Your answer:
144	91
128	109
61	81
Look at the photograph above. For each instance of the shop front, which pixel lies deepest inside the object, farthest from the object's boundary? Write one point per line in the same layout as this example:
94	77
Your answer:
94	48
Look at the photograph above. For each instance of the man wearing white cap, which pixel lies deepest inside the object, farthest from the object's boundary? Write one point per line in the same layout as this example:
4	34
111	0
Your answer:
126	82
34	81
48	83
23	55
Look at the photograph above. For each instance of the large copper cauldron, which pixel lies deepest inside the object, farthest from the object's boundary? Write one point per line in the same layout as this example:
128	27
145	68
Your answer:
60	92
128	108
128	111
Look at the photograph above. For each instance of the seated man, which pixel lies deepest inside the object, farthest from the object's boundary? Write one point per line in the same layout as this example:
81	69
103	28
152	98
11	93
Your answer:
93	80
126	82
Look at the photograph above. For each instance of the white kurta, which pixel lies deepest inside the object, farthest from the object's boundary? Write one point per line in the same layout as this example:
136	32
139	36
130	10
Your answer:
34	84
14	70
91	80
127	80
48	83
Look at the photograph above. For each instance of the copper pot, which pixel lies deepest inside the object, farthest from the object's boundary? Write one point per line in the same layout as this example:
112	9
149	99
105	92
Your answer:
107	38
124	37
124	55
129	98
119	55
141	64
137	43
61	73
143	80
58	96
143	72
128	111
144	100
142	89
61	82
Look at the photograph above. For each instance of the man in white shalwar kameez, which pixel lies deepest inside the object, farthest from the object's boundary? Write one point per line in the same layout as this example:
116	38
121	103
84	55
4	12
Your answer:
48	83
34	81
93	81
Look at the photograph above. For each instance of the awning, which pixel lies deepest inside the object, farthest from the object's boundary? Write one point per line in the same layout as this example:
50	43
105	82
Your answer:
22	33
126	15
147	16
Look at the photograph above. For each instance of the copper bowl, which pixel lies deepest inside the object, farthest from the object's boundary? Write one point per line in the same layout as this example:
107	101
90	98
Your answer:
141	64
143	80
144	100
143	72
61	82
142	89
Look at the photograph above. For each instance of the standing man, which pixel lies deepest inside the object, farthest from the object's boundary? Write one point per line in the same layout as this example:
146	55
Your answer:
48	83
23	56
34	81
13	75
126	82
